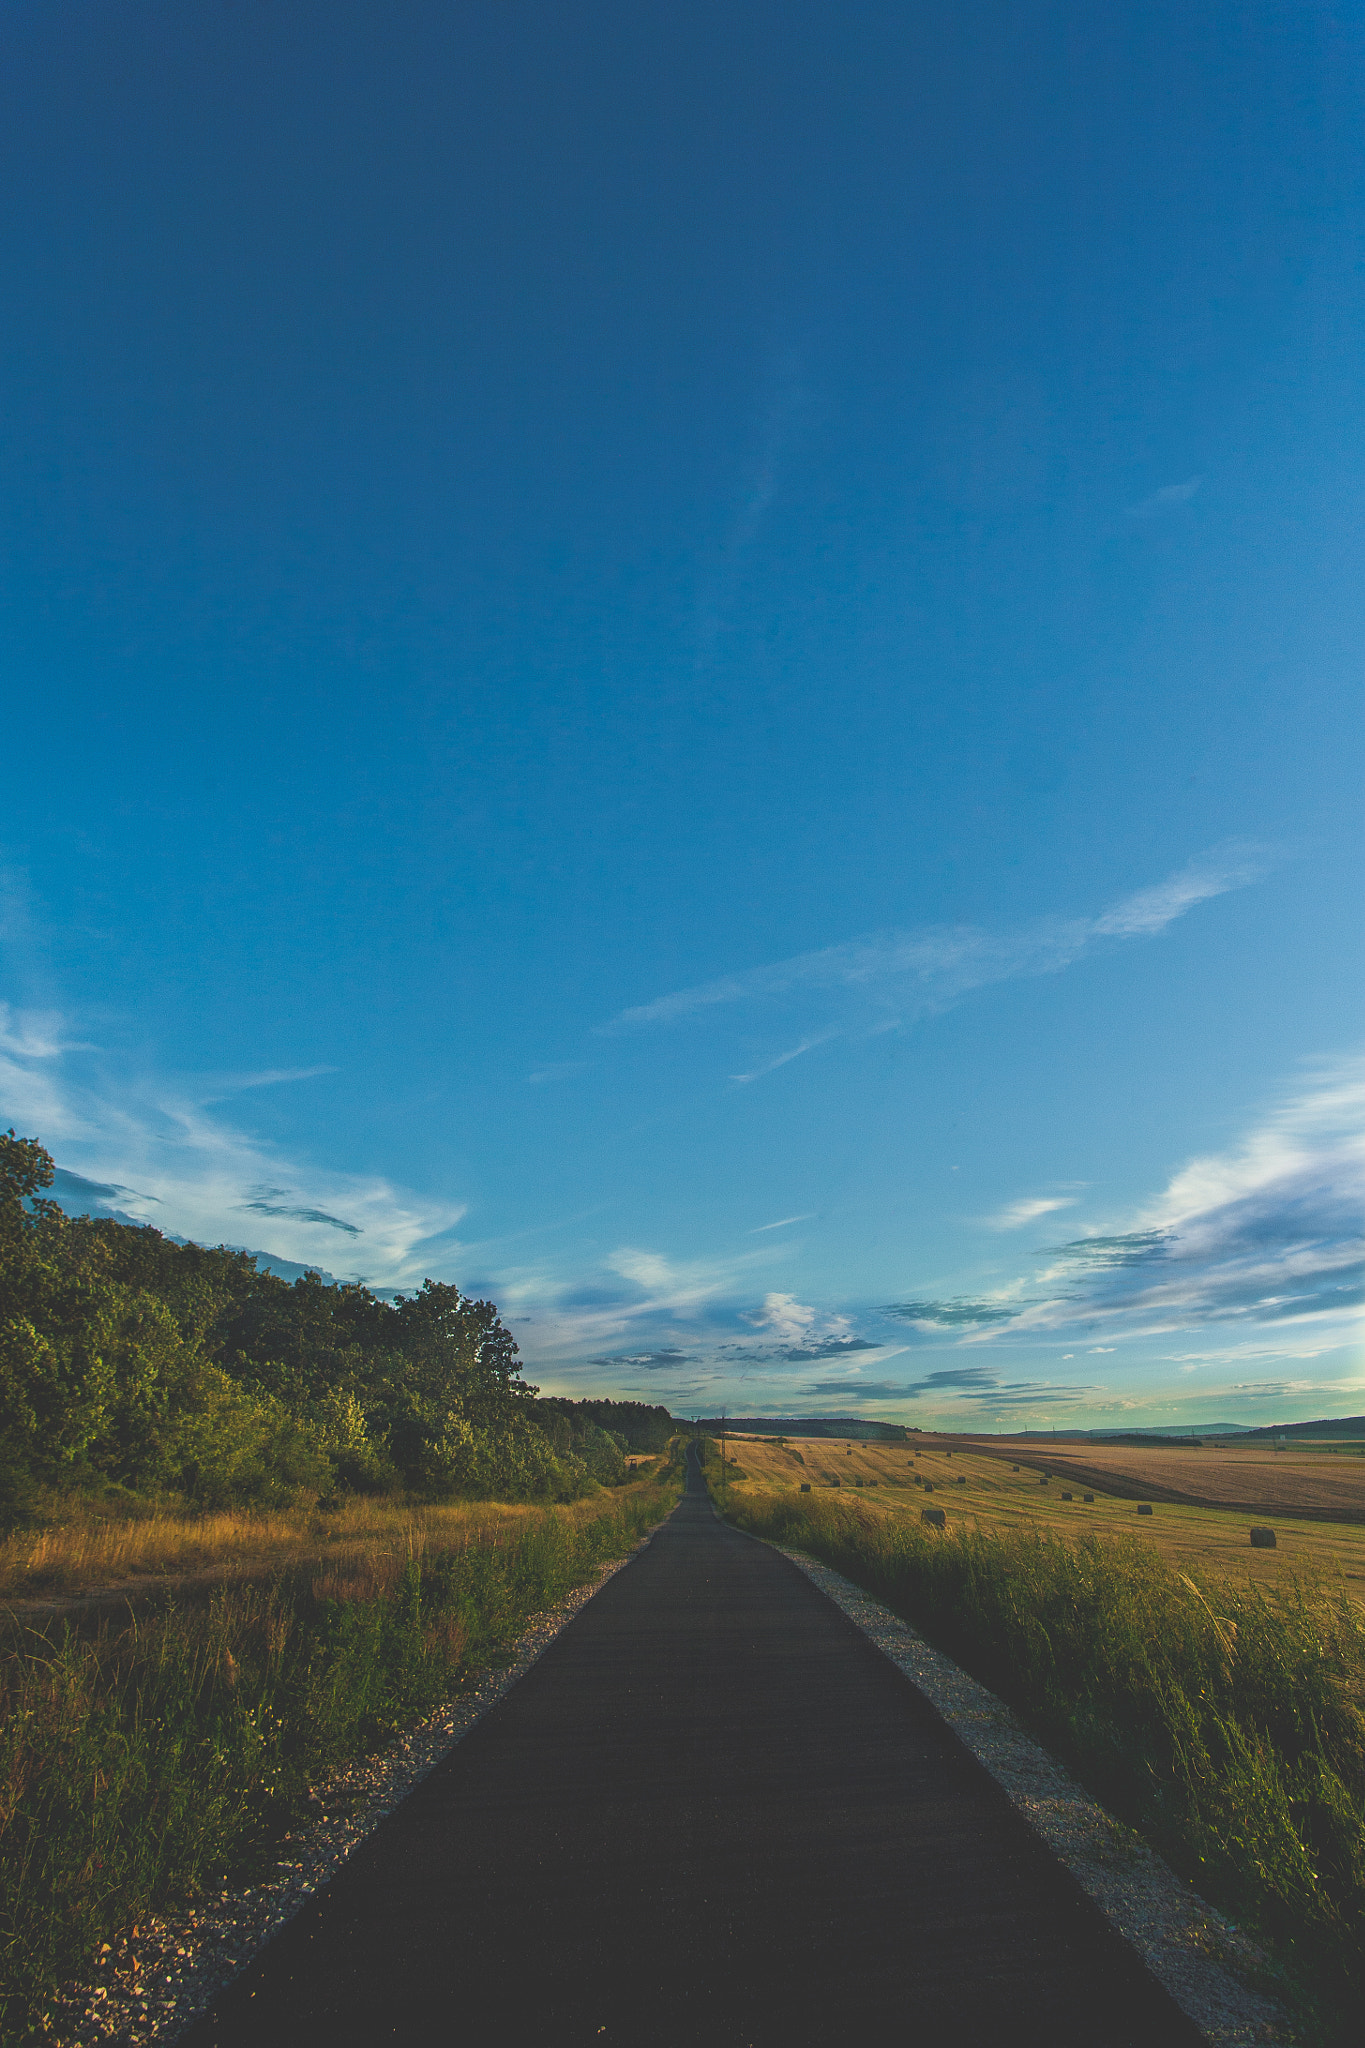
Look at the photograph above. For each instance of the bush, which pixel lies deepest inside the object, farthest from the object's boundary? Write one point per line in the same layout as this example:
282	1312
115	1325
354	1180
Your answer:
128	1360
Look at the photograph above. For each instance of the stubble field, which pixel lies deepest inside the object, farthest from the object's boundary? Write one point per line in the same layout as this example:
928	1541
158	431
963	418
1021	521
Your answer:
979	1489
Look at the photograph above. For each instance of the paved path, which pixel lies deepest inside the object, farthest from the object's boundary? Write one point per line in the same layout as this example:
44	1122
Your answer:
712	1813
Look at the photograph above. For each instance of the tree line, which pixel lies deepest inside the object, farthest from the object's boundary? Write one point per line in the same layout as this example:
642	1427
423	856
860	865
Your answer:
132	1364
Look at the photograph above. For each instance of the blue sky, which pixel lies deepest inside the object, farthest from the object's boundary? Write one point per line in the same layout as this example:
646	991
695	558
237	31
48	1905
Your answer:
700	667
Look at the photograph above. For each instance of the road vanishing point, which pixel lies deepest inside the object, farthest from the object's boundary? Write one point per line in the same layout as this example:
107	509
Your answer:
713	1812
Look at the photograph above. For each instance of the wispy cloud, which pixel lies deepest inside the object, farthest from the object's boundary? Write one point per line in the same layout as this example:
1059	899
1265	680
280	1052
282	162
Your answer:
215	1088
1015	1214
1166	499
794	1332
275	1202
929	969
34	1034
793	1321
977	1385
782	1059
159	1151
1270	1234
1248	1258
558	1070
786	400
691	1324
783	1222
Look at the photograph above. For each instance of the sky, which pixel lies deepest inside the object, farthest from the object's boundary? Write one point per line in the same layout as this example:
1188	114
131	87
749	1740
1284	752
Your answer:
699	667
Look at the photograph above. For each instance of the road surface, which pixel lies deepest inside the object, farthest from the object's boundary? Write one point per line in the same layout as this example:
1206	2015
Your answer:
711	1813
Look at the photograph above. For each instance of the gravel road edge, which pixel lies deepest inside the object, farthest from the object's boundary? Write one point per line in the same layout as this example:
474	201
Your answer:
153	1983
1208	1966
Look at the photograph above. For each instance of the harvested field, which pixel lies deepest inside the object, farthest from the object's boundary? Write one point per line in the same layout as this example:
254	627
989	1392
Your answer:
1323	1485
994	1497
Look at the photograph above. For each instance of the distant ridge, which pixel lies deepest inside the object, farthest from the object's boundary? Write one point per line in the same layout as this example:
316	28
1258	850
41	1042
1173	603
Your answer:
804	1425
1168	1435
1337	1425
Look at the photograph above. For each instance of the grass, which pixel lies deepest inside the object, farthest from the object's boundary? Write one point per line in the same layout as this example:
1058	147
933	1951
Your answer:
150	1758
1226	1721
87	1549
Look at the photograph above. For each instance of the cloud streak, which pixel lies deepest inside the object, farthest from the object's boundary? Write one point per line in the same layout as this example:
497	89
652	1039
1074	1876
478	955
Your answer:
1015	1214
783	1059
926	970
975	1384
1166	499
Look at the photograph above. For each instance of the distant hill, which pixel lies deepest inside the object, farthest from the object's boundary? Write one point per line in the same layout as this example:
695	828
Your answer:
1119	1436
1348	1426
805	1425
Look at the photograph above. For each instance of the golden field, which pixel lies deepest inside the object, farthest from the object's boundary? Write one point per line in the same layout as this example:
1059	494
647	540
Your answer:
978	1488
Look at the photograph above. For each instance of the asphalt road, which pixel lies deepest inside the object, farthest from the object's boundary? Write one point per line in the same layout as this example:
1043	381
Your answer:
711	1813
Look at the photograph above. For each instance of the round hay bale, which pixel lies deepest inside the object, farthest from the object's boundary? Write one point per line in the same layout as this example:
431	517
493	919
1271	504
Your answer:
1144	1509
1263	1539
935	1517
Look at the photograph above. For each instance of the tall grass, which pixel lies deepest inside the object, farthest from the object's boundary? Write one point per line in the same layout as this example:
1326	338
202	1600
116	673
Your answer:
146	1761
83	1547
1226	1722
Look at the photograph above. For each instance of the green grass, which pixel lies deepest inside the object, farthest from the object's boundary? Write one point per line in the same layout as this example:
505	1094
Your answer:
144	1763
1225	1723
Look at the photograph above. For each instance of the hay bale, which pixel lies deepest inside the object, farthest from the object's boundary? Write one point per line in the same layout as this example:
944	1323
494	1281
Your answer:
1066	1496
805	1486
1263	1539
1087	1496
1144	1509
935	1517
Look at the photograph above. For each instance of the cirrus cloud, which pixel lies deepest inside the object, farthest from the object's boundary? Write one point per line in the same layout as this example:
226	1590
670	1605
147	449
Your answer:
1268	1234
923	971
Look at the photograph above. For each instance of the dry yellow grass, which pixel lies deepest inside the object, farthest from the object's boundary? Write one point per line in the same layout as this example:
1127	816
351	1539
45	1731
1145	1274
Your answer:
88	1553
994	1497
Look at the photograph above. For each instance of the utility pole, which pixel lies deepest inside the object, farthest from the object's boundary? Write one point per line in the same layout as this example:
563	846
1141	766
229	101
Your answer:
724	1417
